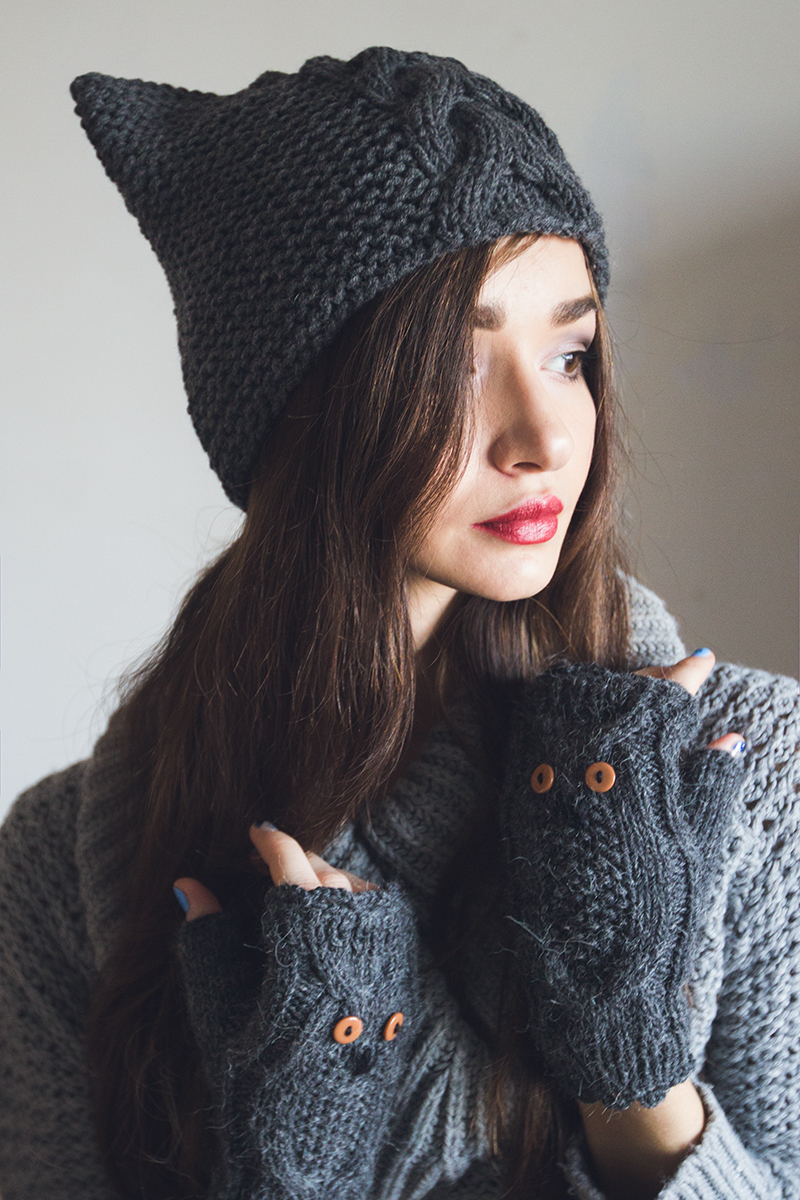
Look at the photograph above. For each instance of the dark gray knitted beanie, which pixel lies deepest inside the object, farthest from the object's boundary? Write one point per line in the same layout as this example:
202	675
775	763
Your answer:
278	211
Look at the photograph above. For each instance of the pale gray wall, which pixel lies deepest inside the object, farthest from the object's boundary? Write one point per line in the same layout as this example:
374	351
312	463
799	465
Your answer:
683	120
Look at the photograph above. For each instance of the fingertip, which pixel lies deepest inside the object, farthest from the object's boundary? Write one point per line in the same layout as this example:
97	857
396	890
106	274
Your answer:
195	899
259	832
703	659
732	743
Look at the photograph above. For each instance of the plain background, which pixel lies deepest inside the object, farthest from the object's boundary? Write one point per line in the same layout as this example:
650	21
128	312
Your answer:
684	122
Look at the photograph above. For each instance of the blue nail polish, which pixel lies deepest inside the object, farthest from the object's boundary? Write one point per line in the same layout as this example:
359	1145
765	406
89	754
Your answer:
739	748
181	898
266	825
703	652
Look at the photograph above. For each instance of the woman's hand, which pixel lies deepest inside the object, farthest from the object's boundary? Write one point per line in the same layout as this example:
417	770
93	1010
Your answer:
613	820
286	861
304	1016
691	673
636	1149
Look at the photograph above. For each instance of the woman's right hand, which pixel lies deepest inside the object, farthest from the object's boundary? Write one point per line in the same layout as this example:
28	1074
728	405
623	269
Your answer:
304	1017
286	862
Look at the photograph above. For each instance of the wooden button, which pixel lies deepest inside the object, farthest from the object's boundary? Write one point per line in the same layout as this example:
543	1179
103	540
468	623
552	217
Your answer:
600	777
347	1030
542	778
392	1026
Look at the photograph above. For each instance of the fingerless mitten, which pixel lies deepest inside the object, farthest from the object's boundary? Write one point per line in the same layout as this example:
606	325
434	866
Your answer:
612	831
300	1036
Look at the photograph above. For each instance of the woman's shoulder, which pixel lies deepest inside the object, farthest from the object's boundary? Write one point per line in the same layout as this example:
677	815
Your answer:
42	921
765	709
38	832
654	636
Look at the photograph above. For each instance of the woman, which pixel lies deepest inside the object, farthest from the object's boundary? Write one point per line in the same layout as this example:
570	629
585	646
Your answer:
474	898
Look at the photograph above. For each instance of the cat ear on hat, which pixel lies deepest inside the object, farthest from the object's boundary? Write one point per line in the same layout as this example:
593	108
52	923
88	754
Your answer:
130	123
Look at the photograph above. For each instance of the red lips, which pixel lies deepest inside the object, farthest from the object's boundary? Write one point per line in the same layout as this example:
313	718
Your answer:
534	521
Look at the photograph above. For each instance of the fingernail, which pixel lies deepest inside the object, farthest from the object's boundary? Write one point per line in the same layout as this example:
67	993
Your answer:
739	748
181	898
703	652
266	825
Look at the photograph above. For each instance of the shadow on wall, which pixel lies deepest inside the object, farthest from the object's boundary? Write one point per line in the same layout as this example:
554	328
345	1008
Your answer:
707	344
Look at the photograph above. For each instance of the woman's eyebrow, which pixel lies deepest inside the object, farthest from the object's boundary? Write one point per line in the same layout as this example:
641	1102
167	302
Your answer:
493	316
489	316
573	310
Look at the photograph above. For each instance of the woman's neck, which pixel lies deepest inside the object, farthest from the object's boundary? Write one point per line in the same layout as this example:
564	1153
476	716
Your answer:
430	606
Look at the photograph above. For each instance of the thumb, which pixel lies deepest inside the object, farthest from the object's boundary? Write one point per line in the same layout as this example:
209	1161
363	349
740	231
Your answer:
734	743
195	899
690	672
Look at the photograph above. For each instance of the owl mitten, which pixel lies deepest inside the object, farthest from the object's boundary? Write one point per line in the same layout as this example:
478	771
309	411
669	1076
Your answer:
612	829
304	1037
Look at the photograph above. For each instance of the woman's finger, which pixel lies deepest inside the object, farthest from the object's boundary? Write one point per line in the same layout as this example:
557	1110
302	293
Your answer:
690	672
332	877
327	875
734	743
285	857
195	899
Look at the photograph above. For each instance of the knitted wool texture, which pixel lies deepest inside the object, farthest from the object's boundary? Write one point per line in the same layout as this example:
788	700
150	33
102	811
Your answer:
608	889
60	854
263	1015
280	210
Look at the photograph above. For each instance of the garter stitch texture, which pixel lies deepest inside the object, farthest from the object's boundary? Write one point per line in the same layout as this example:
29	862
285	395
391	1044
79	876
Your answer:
60	851
277	212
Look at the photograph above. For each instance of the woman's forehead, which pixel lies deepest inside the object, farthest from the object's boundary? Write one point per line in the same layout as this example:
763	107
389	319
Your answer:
549	274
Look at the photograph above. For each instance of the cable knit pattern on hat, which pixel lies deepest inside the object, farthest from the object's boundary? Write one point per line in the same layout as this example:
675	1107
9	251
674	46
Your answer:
280	210
58	853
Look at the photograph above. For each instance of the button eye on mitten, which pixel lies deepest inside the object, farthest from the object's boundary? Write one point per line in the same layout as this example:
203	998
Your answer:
600	777
294	1081
612	825
393	1026
542	778
349	1029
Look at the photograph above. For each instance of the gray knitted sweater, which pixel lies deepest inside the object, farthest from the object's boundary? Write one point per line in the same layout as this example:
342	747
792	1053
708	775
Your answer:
59	909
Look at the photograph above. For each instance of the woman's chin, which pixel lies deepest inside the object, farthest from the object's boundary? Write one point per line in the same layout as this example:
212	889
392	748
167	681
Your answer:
507	586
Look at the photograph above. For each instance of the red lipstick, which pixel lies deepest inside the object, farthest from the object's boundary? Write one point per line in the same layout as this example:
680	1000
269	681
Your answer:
534	521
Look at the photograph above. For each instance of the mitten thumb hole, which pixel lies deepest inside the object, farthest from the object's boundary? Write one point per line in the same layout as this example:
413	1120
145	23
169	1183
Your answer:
712	780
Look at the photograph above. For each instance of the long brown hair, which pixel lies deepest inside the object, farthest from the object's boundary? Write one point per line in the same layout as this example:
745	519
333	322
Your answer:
286	689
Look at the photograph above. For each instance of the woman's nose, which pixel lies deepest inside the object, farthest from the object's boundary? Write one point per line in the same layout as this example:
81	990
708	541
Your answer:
531	433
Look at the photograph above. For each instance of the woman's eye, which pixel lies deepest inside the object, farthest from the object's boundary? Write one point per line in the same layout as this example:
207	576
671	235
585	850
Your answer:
569	364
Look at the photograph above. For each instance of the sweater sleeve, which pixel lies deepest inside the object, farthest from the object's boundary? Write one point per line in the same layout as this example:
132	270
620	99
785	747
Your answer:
750	1082
47	1145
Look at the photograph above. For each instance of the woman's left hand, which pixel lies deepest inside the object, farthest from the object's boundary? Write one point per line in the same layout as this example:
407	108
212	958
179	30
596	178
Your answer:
613	821
691	673
636	1149
286	861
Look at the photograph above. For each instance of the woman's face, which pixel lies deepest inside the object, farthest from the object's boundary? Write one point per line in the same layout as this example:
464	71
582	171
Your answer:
500	532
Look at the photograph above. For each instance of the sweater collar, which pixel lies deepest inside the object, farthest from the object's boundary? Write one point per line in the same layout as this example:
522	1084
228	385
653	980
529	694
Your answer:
413	832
